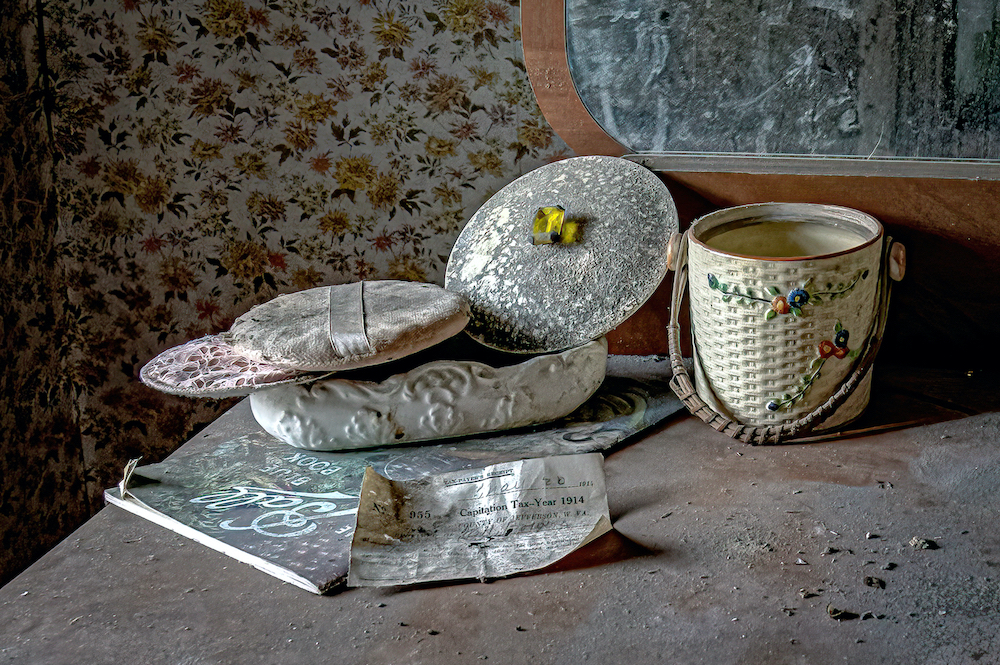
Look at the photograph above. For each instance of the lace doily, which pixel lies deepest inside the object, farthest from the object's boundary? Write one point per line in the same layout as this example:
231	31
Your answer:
211	367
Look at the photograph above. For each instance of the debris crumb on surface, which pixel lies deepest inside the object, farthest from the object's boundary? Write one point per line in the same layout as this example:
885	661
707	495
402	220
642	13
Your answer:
829	550
923	543
806	593
870	536
790	611
874	582
889	566
840	615
801	562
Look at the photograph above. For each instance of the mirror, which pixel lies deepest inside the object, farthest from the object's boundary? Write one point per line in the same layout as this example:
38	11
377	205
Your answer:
869	80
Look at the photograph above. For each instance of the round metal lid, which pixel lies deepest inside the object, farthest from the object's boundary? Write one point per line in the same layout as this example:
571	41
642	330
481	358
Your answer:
543	298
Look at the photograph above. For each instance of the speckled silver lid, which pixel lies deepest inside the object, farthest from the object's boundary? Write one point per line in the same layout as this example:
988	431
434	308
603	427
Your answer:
543	298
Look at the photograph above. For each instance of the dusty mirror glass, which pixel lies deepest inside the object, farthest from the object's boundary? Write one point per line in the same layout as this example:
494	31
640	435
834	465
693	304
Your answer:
857	78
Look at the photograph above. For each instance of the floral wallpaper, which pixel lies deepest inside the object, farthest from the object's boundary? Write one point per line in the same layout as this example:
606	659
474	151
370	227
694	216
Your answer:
211	154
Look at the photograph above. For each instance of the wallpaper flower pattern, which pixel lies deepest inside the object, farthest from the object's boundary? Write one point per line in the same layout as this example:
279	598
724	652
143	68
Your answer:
211	154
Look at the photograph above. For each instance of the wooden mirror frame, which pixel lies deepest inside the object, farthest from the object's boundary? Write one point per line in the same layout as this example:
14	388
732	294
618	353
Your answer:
543	35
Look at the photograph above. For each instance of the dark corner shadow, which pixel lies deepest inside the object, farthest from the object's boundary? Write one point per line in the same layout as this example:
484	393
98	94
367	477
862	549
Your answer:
937	361
904	397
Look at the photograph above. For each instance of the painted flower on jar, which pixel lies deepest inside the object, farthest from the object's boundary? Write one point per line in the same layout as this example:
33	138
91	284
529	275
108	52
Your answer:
798	298
840	339
829	348
780	305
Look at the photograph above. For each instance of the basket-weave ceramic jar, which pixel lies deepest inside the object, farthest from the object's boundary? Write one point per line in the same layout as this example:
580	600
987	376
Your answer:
783	298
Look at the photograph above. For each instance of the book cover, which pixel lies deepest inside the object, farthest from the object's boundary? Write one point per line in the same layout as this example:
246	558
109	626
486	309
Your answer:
291	512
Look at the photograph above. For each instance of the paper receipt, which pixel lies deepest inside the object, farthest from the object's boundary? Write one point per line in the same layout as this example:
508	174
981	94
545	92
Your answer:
484	523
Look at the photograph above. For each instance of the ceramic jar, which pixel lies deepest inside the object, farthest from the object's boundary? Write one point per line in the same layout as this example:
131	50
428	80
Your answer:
783	299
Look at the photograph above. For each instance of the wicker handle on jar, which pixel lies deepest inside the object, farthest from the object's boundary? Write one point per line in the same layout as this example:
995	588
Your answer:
684	388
